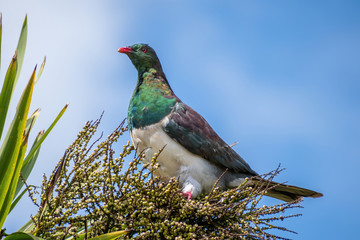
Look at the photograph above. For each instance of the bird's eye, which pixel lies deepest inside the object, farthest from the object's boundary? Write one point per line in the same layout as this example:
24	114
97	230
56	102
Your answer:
144	49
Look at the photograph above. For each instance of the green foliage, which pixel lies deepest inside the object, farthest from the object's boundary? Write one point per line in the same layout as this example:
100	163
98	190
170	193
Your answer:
22	236
0	37
12	152
90	193
14	163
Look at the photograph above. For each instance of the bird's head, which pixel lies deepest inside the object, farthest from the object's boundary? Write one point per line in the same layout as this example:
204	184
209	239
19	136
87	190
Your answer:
142	56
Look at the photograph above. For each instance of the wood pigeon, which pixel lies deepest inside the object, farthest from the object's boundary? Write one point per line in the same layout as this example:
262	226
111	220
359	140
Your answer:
193	152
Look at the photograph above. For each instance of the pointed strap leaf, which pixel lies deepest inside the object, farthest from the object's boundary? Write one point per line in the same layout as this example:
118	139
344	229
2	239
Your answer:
22	236
9	152
31	121
110	236
27	168
107	236
20	49
40	70
28	227
6	92
5	209
0	36
17	199
38	144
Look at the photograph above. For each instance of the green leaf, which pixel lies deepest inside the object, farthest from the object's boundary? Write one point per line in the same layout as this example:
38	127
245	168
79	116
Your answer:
35	148
27	168
16	176
38	144
0	36
13	204
6	92
22	236
4	211
107	236
28	227
40	70
10	80
31	121
10	150
20	49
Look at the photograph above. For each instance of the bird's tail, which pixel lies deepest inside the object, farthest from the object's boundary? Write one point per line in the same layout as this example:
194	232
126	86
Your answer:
284	192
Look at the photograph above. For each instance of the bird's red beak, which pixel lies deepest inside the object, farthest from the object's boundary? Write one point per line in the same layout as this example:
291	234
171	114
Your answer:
125	50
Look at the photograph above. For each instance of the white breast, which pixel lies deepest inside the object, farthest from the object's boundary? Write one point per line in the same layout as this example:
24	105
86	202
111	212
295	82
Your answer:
195	173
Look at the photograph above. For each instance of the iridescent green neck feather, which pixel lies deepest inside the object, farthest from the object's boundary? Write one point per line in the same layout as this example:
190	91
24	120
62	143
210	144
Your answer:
153	98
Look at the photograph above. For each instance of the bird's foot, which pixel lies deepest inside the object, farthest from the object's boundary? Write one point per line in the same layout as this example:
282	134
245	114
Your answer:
187	195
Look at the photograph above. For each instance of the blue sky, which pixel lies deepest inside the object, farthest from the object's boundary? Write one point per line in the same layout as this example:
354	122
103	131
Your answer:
281	78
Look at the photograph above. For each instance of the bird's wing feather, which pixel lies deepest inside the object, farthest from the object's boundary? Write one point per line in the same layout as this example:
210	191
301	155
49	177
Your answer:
191	130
